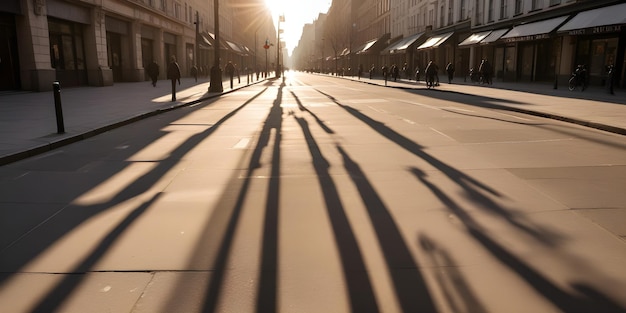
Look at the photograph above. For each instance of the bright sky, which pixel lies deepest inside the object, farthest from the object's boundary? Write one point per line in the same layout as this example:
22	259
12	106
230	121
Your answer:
297	13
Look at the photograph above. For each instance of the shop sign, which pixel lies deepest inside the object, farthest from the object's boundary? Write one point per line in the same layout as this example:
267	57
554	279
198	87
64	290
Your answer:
527	38
596	30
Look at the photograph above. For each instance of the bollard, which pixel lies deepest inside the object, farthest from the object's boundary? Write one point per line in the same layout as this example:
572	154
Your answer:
57	107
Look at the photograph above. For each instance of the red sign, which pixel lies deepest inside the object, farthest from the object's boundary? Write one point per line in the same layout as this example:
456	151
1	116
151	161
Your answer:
266	46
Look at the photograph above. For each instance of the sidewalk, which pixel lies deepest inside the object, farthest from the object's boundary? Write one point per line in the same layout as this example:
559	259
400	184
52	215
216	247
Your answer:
28	121
28	124
595	107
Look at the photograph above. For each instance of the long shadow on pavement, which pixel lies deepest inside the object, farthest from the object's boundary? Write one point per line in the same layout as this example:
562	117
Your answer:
63	289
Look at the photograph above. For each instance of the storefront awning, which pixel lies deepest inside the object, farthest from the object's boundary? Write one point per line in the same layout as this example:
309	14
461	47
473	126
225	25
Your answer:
534	31
474	39
235	48
204	41
435	41
402	45
495	35
373	46
602	20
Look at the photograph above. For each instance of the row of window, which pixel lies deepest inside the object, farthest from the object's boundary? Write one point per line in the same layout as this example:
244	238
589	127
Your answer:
428	17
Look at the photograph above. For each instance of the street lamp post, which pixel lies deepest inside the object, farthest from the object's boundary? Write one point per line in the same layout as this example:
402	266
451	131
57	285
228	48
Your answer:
281	18
216	72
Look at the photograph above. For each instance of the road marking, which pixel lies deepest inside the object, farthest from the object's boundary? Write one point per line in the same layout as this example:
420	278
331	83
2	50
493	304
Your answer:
457	109
408	121
419	104
519	118
366	100
242	144
442	134
377	110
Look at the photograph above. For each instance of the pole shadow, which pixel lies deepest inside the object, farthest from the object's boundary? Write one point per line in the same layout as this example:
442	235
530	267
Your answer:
410	286
360	290
63	289
588	299
473	187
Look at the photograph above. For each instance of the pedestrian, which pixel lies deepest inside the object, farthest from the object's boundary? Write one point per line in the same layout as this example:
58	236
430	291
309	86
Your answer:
417	74
395	71
360	70
237	73
372	70
385	71
194	72
230	71
405	71
173	74
450	70
153	72
431	74
485	72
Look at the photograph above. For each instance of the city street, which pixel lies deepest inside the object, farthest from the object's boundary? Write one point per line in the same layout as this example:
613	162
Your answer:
320	194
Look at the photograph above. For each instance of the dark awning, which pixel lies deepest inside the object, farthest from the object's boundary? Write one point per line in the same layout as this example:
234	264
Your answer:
435	41
533	31
495	35
204	41
373	46
602	20
402	45
474	39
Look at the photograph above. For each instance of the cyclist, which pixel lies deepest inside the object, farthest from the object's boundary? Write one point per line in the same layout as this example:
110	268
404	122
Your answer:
431	73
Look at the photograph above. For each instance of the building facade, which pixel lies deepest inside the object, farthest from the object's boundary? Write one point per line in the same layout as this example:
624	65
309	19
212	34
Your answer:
524	40
99	43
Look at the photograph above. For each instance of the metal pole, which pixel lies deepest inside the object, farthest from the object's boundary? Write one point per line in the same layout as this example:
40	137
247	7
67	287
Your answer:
278	50
216	72
58	108
196	51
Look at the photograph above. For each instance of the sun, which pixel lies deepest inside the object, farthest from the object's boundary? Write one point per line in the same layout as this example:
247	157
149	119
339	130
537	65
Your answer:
277	7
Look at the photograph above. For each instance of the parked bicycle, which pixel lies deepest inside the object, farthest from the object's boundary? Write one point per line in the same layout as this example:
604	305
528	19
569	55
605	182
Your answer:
578	78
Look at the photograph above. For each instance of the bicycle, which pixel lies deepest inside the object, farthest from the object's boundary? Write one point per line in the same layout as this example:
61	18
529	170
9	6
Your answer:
577	79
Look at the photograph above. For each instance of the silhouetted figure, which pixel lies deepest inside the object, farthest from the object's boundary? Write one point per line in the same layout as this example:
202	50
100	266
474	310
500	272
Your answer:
153	72
194	72
173	74
450	70
230	71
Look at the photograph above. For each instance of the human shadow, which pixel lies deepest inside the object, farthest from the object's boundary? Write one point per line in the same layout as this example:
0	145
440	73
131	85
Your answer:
588	299
75	215
473	187
317	119
360	290
410	286
456	290
224	222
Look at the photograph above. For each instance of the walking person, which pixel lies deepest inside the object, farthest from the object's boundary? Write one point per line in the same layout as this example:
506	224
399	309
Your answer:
450	70
431	74
230	71
485	72
173	74
153	72
194	72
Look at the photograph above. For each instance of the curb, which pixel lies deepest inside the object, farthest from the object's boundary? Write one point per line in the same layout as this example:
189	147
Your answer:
11	158
594	125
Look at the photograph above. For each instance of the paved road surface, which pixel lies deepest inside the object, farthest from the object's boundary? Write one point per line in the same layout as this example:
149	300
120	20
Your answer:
320	195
